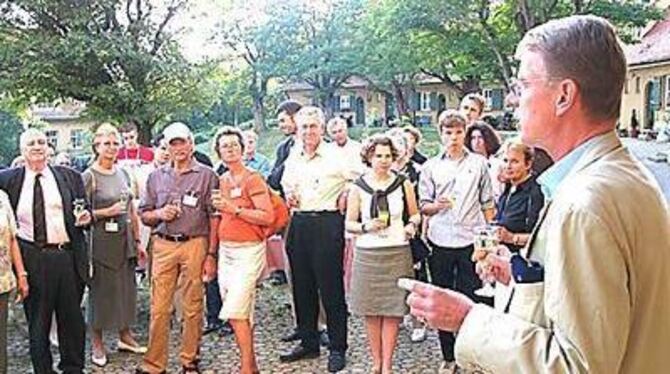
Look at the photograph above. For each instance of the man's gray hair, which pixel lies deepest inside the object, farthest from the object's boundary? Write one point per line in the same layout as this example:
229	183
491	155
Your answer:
310	113
30	133
586	49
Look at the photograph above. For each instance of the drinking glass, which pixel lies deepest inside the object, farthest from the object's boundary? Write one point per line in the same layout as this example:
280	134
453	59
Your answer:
124	197
485	244
78	206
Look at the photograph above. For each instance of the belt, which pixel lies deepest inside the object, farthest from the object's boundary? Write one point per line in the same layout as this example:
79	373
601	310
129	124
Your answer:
175	238
315	213
46	247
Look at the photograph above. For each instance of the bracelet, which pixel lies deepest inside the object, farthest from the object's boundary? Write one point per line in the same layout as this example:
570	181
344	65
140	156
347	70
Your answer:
238	211
23	274
213	255
363	230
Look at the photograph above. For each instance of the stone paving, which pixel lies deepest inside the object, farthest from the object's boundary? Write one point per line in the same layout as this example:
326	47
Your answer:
219	355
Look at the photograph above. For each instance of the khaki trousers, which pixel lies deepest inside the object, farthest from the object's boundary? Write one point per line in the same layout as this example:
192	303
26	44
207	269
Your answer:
172	261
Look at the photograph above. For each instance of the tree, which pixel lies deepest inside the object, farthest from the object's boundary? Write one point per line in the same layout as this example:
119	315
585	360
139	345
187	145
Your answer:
385	57
117	56
10	129
466	42
323	52
261	35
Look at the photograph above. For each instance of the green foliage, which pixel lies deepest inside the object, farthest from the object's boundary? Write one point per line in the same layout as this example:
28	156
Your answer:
116	56
10	129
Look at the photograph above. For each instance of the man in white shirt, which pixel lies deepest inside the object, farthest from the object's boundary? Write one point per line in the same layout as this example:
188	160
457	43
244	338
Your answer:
348	149
455	192
46	200
314	180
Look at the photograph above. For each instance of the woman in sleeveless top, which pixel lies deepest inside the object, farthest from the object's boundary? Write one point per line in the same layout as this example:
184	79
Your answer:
113	291
382	210
246	210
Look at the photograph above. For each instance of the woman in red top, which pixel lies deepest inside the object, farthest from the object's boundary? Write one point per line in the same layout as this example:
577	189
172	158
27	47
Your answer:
244	203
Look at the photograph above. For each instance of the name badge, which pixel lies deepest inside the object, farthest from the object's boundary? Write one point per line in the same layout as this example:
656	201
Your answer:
190	201
111	226
235	193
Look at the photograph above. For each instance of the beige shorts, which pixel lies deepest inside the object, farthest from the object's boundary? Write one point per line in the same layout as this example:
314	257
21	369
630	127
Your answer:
240	267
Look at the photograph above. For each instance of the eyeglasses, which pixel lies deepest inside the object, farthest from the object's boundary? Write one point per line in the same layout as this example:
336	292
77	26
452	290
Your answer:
31	143
229	145
518	85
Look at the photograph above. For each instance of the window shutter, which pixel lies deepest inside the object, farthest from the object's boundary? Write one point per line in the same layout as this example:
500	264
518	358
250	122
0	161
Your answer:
497	99
336	103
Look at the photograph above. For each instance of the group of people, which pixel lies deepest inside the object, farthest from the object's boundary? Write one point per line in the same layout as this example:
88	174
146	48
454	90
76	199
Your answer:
580	272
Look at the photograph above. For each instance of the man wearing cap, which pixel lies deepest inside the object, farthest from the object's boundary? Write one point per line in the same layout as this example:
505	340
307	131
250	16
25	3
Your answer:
177	203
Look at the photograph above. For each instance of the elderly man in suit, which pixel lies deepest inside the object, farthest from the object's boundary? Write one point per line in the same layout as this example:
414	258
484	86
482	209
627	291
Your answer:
591	289
51	238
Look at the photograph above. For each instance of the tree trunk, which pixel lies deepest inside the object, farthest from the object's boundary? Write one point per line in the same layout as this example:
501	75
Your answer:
326	101
259	114
144	133
259	89
400	100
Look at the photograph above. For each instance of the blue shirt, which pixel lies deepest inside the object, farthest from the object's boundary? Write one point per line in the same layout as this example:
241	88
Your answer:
259	163
551	179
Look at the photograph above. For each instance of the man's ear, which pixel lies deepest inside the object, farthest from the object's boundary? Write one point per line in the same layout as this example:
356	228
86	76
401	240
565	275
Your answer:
568	92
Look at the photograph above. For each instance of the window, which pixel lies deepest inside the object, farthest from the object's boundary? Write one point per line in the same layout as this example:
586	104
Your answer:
637	85
345	102
488	95
625	86
424	102
77	139
667	92
52	138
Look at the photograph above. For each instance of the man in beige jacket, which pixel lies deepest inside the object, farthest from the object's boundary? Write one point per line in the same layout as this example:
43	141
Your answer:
603	241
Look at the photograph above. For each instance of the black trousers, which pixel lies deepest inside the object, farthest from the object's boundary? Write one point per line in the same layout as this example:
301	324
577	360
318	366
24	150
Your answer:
315	247
453	268
56	287
214	302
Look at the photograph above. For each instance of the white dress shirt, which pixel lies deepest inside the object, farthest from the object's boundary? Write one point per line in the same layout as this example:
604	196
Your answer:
53	208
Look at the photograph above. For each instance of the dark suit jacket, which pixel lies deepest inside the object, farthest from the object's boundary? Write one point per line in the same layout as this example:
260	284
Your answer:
283	150
71	187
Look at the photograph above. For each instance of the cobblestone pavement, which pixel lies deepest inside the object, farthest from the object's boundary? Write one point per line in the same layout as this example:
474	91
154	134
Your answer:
220	355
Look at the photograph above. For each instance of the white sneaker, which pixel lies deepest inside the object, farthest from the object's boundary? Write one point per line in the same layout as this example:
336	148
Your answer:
418	335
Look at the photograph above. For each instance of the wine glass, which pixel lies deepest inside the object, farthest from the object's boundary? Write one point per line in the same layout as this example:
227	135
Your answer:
78	206
485	243
385	216
124	197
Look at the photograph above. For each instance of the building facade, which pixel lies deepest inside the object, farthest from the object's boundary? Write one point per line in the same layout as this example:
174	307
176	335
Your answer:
65	129
363	104
646	96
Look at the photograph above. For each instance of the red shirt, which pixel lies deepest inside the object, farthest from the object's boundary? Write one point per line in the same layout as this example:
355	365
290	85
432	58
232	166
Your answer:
144	154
